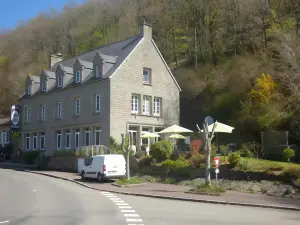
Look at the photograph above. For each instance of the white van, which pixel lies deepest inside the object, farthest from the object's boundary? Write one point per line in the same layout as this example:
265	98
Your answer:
104	167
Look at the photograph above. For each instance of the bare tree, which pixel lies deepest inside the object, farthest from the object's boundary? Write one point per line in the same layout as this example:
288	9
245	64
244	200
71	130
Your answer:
127	147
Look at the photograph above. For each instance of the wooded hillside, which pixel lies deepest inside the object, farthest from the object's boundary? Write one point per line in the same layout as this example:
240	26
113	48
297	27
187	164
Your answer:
247	70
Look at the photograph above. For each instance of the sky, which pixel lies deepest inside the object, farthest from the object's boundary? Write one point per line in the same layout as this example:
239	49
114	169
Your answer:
14	11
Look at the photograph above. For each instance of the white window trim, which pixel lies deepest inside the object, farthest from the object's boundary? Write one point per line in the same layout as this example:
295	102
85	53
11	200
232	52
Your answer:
43	85
98	132
43	112
77	133
149	76
77	100
27	147
77	81
42	137
87	132
58	135
135	104
58	110
146	110
68	134
97	103
59	81
157	106
28	115
34	141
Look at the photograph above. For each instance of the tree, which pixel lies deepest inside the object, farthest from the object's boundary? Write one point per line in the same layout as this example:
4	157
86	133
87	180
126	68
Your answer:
126	147
208	138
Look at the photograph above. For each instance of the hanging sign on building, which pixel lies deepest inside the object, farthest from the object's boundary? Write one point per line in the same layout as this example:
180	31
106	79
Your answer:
15	117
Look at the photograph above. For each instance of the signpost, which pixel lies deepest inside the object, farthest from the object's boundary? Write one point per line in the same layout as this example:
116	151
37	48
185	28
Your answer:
217	162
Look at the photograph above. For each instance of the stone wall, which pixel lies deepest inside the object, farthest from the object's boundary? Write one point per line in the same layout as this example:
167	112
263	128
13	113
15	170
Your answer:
68	164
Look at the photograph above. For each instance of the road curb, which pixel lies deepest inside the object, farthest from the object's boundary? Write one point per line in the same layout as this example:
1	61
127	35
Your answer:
169	197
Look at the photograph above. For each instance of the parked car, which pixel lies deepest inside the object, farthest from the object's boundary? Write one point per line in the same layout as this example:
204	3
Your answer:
104	167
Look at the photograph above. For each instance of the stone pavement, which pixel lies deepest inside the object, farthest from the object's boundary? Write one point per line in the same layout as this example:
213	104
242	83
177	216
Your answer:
177	191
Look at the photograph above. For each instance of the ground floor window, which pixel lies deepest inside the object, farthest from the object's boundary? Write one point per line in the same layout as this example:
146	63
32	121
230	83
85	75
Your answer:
58	139
67	141
97	135
4	137
133	132
42	141
77	138
35	141
87	137
27	142
145	141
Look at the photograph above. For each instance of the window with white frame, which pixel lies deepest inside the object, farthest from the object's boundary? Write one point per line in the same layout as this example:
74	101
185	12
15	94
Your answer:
4	137
147	76
97	135
44	85
58	139
28	89
77	138
97	71
77	106
97	103
146	105
87	137
58	110
42	112
78	76
28	115
34	146
42	141
59	81
68	139
157	106
135	104
27	142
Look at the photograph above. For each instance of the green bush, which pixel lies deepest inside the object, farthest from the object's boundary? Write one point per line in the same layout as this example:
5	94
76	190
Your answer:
291	174
244	165
197	160
246	153
31	157
180	166
174	156
145	161
161	150
140	154
234	159
288	154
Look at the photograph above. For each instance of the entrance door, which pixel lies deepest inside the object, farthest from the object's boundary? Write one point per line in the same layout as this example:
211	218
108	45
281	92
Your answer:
145	141
133	131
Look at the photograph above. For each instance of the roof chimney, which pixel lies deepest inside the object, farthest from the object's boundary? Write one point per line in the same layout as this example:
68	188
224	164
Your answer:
146	30
55	59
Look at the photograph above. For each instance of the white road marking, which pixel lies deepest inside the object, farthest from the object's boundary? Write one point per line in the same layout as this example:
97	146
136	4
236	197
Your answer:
131	215
104	192
121	204
115	199
134	220
121	201
6	221
127	211
33	190
135	224
125	207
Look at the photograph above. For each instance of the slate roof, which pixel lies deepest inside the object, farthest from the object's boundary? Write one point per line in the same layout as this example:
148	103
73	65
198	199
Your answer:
113	55
50	74
35	79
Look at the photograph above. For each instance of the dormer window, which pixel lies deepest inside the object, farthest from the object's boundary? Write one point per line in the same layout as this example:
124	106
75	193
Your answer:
44	85
78	76
97	74
28	89
59	81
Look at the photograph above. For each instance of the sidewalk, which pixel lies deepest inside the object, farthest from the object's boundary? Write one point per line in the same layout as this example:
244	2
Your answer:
178	192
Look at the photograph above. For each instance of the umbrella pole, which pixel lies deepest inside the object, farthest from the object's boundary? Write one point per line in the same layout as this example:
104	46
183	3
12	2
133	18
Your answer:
217	141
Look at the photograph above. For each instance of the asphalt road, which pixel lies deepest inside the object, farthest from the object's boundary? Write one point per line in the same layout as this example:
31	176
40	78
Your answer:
34	199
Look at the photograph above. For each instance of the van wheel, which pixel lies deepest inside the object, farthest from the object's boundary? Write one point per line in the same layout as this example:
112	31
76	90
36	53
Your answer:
83	177
100	177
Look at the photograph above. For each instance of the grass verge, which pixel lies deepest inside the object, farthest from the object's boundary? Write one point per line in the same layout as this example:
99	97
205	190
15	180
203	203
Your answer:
208	190
132	180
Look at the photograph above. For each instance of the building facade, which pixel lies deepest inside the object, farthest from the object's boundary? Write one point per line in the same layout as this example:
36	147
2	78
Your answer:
82	101
4	131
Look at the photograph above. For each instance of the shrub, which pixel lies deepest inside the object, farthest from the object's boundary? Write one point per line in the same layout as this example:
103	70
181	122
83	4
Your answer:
140	154
288	154
161	150
197	160
234	159
31	157
291	174
174	156
146	161
224	150
244	165
180	166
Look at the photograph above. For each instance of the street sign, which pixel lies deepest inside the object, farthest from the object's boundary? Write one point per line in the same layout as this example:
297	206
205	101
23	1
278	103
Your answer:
217	161
217	170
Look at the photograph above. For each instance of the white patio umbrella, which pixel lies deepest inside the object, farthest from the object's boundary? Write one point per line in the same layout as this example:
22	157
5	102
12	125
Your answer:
175	129
220	128
177	136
